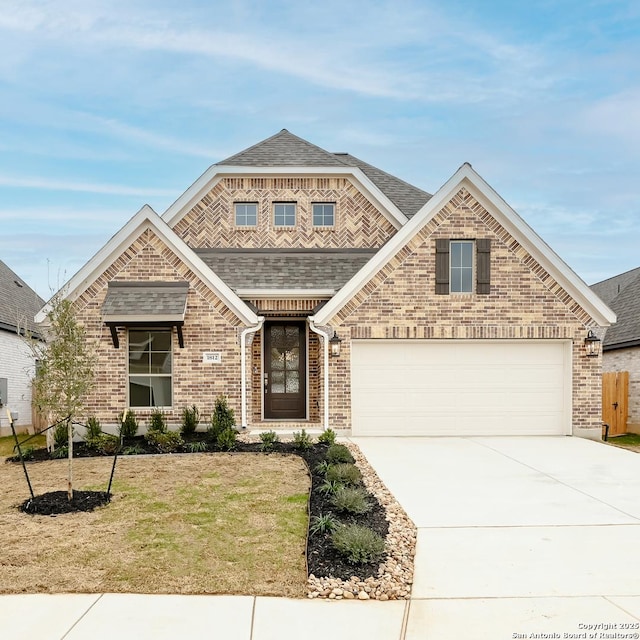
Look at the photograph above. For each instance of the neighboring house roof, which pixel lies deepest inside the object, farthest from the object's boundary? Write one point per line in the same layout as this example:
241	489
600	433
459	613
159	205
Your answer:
466	177
247	270
145	219
608	289
19	303
623	292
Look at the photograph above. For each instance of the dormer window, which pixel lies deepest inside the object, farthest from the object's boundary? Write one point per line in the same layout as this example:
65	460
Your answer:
246	214
323	214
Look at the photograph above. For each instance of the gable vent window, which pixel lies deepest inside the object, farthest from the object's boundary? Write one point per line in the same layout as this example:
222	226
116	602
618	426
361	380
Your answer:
284	214
462	265
246	214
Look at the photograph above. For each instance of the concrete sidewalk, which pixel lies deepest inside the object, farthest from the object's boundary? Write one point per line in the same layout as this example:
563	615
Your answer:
171	617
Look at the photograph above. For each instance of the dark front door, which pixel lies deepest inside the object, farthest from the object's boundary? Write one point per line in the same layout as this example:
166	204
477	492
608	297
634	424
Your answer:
285	367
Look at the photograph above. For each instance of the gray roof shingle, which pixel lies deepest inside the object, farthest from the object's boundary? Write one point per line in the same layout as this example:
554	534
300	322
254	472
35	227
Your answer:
145	301
608	289
286	149
285	268
19	303
626	304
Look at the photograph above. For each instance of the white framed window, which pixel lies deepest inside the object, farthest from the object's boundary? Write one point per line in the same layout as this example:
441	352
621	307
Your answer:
323	214
461	266
246	214
150	367
284	214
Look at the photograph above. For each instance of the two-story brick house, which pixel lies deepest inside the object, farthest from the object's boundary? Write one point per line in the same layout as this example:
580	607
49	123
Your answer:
315	290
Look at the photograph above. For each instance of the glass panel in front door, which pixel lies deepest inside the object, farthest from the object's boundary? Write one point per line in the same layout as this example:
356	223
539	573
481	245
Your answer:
285	359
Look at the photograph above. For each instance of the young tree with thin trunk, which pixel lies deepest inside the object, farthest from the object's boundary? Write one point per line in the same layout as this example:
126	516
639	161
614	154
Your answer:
65	370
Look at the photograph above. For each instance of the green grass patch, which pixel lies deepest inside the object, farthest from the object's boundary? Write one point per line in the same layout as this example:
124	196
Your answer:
7	443
629	440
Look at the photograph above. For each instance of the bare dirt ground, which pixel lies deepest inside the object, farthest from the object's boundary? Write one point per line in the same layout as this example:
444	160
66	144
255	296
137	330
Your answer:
194	523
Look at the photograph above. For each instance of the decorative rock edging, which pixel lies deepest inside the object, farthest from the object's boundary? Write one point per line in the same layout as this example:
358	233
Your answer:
395	576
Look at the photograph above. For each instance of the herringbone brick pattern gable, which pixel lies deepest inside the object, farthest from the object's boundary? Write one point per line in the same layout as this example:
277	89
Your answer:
211	223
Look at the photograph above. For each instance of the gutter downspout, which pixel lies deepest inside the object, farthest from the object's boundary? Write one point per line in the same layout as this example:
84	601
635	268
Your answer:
326	333
243	367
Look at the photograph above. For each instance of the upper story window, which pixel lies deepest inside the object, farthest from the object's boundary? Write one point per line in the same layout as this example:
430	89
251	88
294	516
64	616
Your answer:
323	214
246	214
284	214
461	266
150	368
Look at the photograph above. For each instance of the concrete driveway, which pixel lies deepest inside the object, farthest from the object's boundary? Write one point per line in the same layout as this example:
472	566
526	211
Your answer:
527	535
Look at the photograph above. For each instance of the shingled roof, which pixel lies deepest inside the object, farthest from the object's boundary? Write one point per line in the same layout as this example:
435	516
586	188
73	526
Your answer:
622	294
286	149
277	269
18	302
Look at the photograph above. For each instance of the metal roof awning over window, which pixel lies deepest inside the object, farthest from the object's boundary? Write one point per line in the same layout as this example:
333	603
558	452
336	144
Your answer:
149	304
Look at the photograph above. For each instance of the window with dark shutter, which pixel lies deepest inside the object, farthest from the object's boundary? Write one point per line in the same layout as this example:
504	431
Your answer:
483	266
442	266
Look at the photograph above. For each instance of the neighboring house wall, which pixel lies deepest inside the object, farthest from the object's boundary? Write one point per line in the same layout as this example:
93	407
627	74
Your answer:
627	360
211	222
209	326
524	303
17	365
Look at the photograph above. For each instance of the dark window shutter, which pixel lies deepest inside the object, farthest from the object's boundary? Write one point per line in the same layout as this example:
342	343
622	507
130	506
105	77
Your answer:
442	266
483	266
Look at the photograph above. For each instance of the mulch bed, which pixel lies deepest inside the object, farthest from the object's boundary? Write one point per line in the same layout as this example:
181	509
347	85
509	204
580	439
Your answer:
57	502
322	559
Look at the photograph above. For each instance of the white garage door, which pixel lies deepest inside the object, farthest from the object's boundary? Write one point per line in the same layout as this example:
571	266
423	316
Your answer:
444	388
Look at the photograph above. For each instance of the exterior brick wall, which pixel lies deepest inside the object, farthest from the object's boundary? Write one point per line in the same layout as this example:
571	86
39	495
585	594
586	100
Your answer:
209	326
627	360
17	365
525	302
211	222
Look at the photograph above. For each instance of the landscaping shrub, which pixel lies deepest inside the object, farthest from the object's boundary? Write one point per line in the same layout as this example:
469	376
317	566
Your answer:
329	487
190	420
358	544
302	441
93	427
321	467
338	453
226	439
27	453
132	451
60	452
165	441
324	523
351	500
345	473
196	447
128	424
268	440
223	417
104	443
157	422
327	437
61	436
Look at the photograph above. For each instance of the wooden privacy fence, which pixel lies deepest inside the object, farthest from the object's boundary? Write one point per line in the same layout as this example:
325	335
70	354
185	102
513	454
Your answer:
615	401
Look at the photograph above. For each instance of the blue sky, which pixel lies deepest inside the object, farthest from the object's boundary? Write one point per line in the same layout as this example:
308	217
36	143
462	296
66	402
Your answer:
110	105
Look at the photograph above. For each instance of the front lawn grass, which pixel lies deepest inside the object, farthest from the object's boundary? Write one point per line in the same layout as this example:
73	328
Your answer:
201	523
627	441
7	443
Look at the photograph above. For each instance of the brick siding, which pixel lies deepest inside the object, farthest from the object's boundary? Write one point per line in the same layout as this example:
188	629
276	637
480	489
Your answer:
525	302
211	222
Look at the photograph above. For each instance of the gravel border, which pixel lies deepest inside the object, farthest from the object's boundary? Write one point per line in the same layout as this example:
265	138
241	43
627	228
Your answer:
395	576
